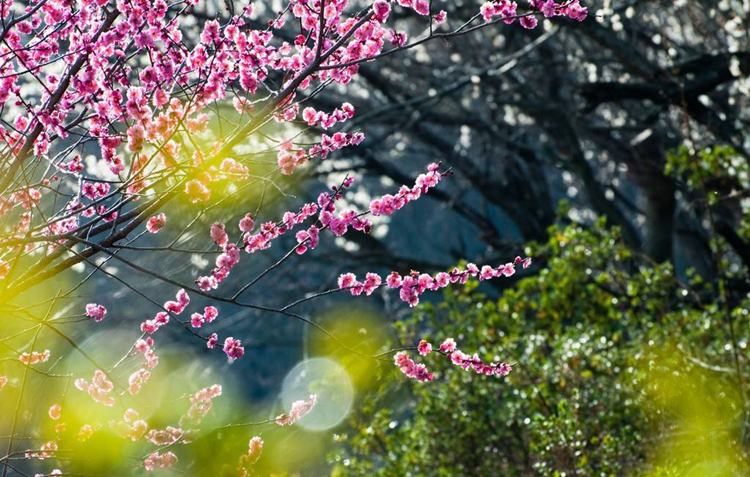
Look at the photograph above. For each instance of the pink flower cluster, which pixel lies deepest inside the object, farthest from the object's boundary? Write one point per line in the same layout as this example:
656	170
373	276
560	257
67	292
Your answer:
161	461
229	257
131	427
388	204
457	357
299	410
288	158
35	357
349	281
200	404
97	312
177	306
255	447
325	120
99	388
411	369
272	230
156	223
233	348
164	437
414	284
85	432
506	10
571	9
210	313
46	451
138	378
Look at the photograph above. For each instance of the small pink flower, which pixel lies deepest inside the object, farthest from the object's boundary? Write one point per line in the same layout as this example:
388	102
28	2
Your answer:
529	22
299	410
156	223
196	320
219	234
347	280
394	280
576	12
487	273
55	412
233	348
424	348
448	346
372	282
503	369
161	461
197	191
210	313
213	340
182	297
422	7
381	9
255	447
97	312
35	357
247	223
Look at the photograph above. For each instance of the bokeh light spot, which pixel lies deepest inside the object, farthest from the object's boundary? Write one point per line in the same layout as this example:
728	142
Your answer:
330	381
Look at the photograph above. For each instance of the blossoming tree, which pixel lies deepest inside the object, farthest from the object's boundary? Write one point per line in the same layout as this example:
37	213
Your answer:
112	110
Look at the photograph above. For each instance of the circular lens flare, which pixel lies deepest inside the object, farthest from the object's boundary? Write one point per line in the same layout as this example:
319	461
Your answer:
330	382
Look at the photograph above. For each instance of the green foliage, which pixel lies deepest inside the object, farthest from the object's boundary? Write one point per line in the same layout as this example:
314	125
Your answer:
620	370
719	176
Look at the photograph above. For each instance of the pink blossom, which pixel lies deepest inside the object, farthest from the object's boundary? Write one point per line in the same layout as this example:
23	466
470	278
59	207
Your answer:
219	234
97	312
233	348
213	340
160	461
529	22
55	412
381	10
547	8
347	280
164	437
448	346
196	320
299	410
85	433
247	223
422	7
197	191
156	223
35	357
411	369
255	447
424	348
98	389
137	380
394	280
210	313
576	12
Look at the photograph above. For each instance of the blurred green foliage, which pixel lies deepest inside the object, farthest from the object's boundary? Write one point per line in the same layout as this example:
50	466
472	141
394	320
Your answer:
621	369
